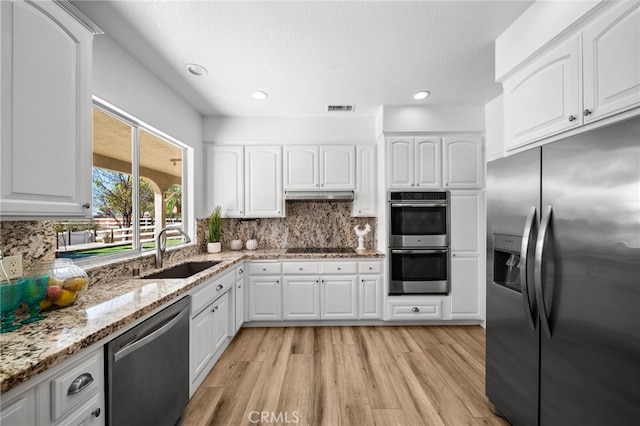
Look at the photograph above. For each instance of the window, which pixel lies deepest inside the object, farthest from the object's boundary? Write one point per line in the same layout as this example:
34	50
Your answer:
138	180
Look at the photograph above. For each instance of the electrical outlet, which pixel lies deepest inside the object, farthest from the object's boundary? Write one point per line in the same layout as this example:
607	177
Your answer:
13	266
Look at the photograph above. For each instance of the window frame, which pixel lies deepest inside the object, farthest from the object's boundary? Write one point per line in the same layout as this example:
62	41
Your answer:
188	223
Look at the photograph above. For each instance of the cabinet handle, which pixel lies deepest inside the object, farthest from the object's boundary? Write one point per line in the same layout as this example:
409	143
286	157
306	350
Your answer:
79	383
417	184
586	112
301	269
277	281
359	211
316	281
415	309
264	269
96	412
240	211
572	117
339	269
86	206
239	286
219	287
240	271
370	268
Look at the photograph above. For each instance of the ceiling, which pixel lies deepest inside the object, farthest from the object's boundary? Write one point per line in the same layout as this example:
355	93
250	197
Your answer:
310	54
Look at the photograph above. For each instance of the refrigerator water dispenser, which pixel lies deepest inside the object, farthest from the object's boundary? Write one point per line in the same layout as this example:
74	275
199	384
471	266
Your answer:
506	261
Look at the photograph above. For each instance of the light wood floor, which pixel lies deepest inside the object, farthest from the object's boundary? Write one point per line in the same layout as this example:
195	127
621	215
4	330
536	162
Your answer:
390	375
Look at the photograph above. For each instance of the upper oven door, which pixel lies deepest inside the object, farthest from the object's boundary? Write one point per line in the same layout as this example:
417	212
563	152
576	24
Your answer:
418	224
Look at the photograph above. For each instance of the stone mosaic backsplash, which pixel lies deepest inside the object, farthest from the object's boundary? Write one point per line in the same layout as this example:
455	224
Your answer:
307	224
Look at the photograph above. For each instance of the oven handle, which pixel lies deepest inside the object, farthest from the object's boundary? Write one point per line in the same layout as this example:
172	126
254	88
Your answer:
444	204
420	251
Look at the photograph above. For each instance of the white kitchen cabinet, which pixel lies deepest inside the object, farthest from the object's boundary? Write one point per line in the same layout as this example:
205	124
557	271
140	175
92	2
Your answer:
465	287
49	402
370	290
211	325
414	163
220	310
338	297
313	167
245	182
365	200
428	166
45	87
462	162
594	73
544	98
328	289
301	297
467	216
337	167
419	308
202	342
263	181
611	57
225	179
265	298
400	163
301	167
239	299
89	414
20	411
209	332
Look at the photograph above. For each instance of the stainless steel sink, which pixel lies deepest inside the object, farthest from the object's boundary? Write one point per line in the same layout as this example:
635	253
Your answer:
184	270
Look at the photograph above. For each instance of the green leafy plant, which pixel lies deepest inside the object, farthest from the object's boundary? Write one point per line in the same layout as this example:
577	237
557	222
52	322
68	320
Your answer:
214	225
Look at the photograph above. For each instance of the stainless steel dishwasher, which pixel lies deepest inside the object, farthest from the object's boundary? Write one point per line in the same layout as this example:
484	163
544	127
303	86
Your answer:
148	370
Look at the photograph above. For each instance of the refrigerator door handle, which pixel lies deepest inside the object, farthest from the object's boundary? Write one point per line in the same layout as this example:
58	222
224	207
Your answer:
537	271
524	265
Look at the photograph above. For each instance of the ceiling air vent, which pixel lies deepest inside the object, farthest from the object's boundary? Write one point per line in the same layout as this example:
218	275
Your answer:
340	108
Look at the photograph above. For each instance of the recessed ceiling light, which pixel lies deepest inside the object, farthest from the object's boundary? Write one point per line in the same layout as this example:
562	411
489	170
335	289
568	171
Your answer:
260	95
423	94
197	70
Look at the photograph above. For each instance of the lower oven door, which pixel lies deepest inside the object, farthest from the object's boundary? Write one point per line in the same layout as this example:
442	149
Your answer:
424	271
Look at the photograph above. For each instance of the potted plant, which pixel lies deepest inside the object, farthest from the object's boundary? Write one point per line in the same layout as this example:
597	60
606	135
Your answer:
213	236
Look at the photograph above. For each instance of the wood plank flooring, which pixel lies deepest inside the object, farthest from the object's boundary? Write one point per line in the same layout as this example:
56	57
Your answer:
388	375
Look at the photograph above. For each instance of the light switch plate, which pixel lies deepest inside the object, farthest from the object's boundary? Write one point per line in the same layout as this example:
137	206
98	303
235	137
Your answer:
13	266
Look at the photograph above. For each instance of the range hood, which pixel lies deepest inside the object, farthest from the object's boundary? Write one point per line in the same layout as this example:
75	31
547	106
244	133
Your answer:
319	195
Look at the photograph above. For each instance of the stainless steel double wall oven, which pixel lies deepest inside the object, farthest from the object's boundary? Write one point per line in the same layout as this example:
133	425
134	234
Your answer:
418	224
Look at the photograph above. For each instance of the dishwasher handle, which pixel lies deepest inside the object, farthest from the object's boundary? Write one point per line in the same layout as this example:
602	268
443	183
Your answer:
166	326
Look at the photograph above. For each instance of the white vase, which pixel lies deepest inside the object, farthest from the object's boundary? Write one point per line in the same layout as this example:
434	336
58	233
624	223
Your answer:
214	247
252	244
236	244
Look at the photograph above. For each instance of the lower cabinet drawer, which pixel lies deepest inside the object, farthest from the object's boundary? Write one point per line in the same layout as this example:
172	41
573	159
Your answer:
210	291
264	268
298	268
338	268
76	385
431	309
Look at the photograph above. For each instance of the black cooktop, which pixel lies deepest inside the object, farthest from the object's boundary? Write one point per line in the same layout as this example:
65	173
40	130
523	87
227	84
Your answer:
319	250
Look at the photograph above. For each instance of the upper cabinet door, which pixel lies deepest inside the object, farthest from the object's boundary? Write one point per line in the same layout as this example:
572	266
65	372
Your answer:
46	112
545	97
225	179
400	162
428	163
263	181
612	62
301	167
365	200
337	170
463	162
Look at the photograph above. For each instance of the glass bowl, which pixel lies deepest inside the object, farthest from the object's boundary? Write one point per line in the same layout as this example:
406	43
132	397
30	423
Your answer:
66	282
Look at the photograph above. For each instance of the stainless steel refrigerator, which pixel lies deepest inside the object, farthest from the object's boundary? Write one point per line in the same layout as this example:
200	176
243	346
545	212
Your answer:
563	281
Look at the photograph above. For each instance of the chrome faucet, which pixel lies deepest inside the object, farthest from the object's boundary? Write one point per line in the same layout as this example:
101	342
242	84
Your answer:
160	247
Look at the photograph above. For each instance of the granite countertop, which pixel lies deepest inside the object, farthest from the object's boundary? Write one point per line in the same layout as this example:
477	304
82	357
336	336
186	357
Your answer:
105	309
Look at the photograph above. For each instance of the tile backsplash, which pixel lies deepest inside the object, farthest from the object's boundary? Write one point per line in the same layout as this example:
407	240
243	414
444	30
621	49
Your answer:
307	224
